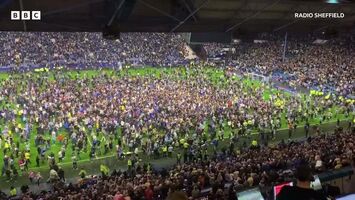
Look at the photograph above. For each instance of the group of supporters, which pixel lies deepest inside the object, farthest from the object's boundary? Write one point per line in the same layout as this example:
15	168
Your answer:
60	115
218	175
113	111
328	66
90	50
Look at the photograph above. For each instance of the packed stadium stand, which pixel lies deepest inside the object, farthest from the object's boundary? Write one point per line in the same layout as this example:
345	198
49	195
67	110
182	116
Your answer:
232	100
86	50
303	67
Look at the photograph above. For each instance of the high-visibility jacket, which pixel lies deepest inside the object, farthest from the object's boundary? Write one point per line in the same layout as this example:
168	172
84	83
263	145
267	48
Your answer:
27	155
104	169
129	163
182	141
13	192
82	173
186	145
254	143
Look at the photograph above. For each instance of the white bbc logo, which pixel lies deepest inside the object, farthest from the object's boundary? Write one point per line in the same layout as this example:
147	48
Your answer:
25	15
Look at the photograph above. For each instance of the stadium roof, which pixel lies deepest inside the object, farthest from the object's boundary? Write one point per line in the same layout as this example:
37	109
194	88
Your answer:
177	15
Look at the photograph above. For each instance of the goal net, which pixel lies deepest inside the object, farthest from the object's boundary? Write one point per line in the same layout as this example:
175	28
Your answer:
259	77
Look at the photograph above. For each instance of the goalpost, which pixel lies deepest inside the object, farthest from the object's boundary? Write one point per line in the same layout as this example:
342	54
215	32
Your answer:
259	77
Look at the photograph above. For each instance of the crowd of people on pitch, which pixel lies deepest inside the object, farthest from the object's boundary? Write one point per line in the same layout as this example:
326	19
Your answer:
97	115
90	50
158	114
327	67
216	175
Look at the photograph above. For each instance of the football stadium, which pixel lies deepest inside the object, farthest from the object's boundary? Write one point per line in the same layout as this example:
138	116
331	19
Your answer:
177	99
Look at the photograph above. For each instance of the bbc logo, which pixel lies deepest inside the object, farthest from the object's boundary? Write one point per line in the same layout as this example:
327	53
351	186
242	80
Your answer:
25	15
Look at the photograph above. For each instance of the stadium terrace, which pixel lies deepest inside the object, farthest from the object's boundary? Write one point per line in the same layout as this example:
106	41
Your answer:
150	116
